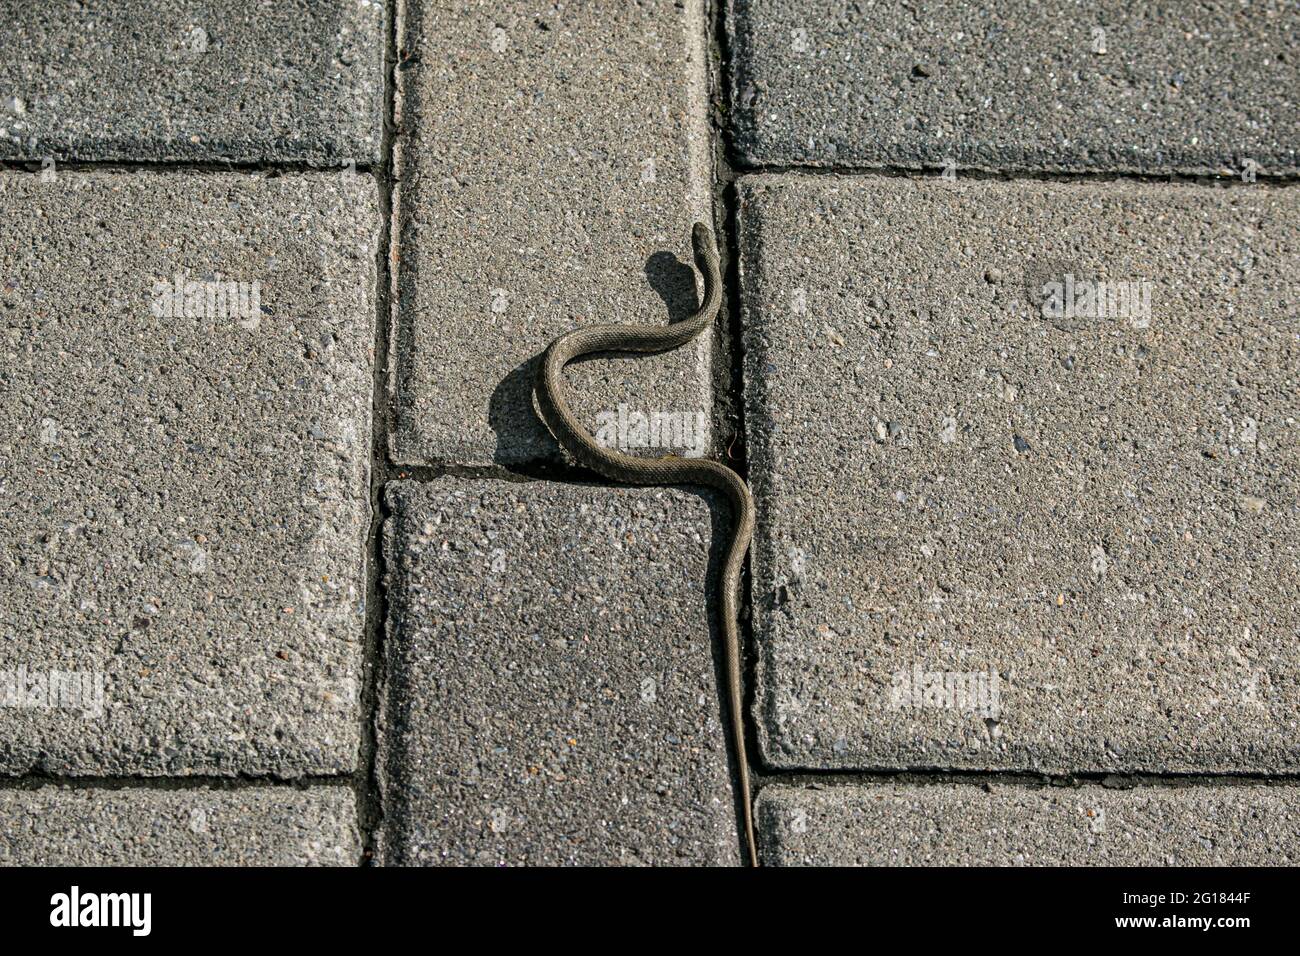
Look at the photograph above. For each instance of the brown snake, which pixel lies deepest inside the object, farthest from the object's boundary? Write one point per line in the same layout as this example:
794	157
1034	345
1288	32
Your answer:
667	470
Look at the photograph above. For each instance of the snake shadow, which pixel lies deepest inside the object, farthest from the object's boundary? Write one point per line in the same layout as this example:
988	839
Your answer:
520	435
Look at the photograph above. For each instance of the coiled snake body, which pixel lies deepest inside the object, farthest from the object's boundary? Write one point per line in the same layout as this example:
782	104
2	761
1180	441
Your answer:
667	470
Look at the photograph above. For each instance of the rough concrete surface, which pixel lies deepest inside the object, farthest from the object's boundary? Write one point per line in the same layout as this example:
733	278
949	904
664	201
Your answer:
552	162
192	80
261	826
965	824
551	695
1015	84
1097	519
184	497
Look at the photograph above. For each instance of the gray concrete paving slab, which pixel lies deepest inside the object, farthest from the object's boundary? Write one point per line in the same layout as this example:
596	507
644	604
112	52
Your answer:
1016	84
552	162
261	826
200	80
966	824
186	372
551	694
1027	459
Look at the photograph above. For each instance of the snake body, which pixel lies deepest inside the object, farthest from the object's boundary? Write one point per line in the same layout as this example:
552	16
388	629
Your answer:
666	470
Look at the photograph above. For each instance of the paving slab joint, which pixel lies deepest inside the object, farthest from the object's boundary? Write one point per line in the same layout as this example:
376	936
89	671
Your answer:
740	169
817	778
367	784
196	167
37	780
728	371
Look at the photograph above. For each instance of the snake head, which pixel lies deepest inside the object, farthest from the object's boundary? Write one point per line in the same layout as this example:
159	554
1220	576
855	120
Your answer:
702	237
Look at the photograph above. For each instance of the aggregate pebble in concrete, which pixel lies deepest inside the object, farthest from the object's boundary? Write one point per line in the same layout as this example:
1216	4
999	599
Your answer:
192	80
184	497
971	825
1089	85
552	161
551	692
1096	518
264	826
